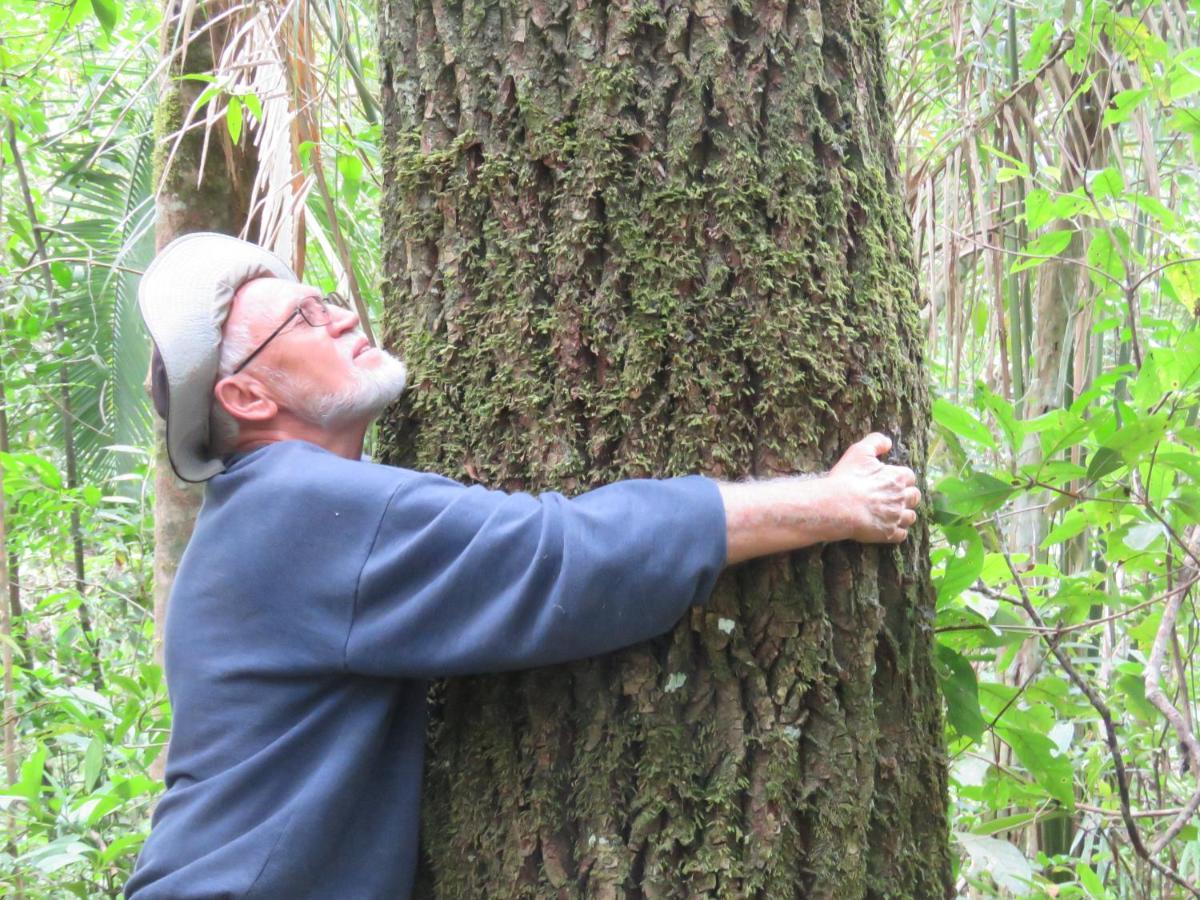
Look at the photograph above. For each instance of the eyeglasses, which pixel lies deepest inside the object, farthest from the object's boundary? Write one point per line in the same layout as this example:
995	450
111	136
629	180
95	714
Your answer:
315	311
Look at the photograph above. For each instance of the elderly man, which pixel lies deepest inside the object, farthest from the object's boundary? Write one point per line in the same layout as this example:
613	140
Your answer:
320	592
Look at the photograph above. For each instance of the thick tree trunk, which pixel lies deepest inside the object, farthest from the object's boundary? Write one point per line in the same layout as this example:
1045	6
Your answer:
629	240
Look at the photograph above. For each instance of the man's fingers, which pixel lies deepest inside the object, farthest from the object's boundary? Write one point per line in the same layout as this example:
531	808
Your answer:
907	517
907	476
876	444
898	535
912	497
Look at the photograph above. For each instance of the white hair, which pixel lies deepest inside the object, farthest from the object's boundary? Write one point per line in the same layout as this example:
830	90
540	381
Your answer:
223	428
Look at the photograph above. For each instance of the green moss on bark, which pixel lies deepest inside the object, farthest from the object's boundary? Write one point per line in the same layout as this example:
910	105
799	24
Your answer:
639	239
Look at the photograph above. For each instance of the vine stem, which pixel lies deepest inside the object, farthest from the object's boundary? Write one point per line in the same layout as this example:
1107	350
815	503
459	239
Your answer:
1110	730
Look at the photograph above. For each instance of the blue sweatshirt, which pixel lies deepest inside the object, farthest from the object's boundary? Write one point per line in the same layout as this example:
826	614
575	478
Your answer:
315	599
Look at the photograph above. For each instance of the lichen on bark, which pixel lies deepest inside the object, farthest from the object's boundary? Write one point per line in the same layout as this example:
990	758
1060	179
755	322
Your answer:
651	239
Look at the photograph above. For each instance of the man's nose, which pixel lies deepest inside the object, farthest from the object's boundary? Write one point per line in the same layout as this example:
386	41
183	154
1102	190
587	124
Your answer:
342	319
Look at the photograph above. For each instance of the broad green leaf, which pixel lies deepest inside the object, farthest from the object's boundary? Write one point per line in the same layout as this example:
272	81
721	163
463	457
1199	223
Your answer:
961	422
961	569
1005	823
1041	248
1141	536
1157	210
1039	755
351	170
1134	689
1107	183
106	12
63	275
1056	472
1123	105
1185	120
1073	523
1002	412
1182	281
961	690
1104	256
1038	209
1090	882
29	781
1039	45
974	494
1137	436
1103	462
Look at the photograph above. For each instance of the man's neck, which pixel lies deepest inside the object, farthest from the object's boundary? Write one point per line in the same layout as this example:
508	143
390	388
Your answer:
345	441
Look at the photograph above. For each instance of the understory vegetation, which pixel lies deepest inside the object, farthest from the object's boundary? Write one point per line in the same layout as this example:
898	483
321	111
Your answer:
1049	155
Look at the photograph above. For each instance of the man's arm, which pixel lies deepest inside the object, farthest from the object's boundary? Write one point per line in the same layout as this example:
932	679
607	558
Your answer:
859	499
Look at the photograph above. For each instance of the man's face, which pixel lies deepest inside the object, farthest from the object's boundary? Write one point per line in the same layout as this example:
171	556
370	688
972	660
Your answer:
329	374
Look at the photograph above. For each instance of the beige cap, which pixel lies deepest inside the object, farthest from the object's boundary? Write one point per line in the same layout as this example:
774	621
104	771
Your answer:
184	298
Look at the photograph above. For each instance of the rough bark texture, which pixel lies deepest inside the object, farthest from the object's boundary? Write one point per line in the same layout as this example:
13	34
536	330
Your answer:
215	198
644	239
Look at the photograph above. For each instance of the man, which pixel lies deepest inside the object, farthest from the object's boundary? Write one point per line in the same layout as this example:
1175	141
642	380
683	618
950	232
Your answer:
320	593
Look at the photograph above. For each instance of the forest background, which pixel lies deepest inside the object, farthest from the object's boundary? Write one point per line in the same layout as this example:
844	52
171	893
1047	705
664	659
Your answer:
1049	154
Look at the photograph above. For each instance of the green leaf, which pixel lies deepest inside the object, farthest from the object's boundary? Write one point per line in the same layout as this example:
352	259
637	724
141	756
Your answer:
1134	689
93	763
253	106
1182	278
961	690
1002	412
1043	247
961	570
351	169
1141	536
1039	46
63	276
1104	462
977	493
233	119
1185	120
1038	209
1123	105
1104	256
1040	756
1107	183
958	421
1073	523
1005	823
106	13
1090	882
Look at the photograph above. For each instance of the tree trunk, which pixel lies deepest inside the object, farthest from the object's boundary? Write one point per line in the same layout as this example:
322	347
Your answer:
651	240
191	197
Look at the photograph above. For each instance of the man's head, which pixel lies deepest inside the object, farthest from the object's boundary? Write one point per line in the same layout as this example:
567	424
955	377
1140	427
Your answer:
210	301
289	355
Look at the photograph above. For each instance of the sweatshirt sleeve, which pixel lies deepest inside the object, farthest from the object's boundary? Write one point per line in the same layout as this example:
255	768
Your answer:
463	580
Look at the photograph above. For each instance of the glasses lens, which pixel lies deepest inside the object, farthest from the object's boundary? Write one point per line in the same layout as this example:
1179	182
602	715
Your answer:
315	312
333	298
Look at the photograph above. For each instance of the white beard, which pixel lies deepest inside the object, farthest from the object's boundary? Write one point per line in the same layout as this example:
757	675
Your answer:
365	397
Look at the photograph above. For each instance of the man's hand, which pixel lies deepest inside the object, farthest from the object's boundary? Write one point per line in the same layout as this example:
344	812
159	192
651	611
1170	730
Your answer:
879	500
859	499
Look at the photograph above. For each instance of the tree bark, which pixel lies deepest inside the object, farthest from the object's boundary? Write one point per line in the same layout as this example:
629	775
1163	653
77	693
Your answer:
191	197
631	240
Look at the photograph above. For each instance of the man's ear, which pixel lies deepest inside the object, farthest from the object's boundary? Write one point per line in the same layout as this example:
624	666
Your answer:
245	398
